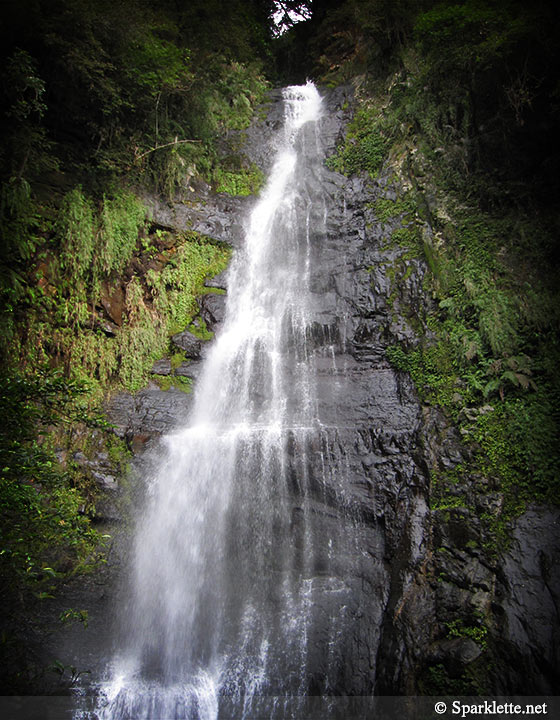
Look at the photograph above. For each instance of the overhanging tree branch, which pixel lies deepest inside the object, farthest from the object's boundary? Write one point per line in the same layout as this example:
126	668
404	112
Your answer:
159	147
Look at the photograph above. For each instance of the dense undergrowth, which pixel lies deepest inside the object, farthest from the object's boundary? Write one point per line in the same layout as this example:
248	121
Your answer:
491	347
90	289
488	349
110	290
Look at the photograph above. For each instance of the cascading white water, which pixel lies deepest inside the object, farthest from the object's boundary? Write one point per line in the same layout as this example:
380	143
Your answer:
222	595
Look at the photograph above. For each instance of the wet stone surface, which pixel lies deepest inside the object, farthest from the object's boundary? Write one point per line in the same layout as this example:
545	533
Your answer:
415	570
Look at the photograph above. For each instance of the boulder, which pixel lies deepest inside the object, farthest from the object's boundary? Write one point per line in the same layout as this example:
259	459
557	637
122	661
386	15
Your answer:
189	343
213	309
161	367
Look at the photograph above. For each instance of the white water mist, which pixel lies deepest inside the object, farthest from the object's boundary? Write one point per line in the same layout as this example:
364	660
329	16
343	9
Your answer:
221	600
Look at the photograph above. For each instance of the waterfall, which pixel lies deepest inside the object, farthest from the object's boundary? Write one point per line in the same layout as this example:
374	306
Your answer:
231	552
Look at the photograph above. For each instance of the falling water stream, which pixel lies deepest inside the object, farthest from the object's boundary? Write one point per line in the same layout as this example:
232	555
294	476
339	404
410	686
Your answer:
222	604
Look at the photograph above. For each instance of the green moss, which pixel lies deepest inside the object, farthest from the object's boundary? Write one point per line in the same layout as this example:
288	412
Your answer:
166	382
408	237
118	452
433	370
235	179
515	441
365	146
174	289
199	329
475	679
176	359
386	209
448	502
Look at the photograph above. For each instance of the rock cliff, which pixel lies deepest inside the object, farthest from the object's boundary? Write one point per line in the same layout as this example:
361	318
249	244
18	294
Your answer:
432	607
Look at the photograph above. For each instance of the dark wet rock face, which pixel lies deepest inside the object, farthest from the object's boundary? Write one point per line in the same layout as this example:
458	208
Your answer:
150	412
531	597
218	281
423	593
218	216
189	343
162	367
213	310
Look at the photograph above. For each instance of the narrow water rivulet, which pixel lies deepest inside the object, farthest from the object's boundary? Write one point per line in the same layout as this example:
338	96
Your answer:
231	551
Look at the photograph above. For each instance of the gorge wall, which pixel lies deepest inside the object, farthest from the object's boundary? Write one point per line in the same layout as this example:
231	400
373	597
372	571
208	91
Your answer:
126	161
432	606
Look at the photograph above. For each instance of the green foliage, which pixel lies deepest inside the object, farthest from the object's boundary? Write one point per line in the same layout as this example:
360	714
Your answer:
481	333
461	36
174	289
127	102
166	382
356	37
199	329
516	445
25	147
448	502
118	453
440	680
387	209
470	79
27	88
492	338
158	304
484	71
156	64
43	534
231	102
232	178
177	358
515	370
17	230
122	217
69	675
76	228
89	249
365	145
238	30
72	614
92	246
434	371
399	359
477	632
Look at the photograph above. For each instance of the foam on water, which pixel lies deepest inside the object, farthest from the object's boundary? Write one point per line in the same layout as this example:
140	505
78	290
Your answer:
220	606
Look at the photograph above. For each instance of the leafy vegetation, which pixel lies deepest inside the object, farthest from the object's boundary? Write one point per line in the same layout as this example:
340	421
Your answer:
454	105
489	350
100	101
42	528
235	178
45	504
364	147
107	318
149	100
477	632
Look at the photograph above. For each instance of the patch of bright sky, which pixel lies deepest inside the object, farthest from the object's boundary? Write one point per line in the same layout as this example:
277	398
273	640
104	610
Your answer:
296	16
